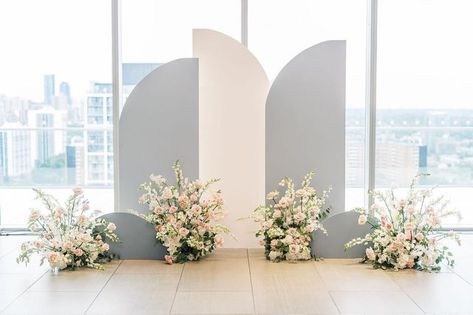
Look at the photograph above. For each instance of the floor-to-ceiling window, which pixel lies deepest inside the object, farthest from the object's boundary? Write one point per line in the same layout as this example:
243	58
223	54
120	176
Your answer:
157	31
55	89
425	98
56	85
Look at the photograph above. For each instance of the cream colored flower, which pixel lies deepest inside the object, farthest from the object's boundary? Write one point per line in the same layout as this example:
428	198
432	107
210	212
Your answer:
362	219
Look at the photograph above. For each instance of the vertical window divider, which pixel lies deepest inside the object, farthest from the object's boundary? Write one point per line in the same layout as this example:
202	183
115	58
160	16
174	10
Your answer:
244	22
370	96
116	94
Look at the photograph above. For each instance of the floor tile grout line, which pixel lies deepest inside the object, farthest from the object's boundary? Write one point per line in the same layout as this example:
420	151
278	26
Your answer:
333	301
407	294
460	276
251	280
177	288
326	287
23	292
103	287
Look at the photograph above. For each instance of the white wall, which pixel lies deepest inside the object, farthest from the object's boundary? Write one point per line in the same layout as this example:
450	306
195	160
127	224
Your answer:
233	88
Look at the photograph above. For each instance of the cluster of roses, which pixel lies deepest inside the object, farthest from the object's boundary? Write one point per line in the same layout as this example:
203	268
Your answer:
185	216
69	236
406	232
287	223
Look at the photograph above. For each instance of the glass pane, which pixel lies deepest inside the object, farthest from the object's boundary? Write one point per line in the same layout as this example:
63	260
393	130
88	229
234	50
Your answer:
425	104
157	31
280	29
55	103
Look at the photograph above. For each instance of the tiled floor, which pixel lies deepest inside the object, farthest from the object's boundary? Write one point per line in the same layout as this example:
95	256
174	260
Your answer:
237	281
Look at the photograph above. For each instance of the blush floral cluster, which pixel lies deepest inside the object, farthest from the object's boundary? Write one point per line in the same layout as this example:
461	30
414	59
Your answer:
185	215
407	232
70	236
287	222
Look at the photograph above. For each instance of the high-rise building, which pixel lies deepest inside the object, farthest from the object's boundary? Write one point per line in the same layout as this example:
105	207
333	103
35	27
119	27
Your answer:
49	137
98	148
65	92
49	89
15	152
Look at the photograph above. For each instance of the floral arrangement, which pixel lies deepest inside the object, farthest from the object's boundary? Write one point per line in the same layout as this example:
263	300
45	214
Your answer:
287	223
407	231
185	215
69	236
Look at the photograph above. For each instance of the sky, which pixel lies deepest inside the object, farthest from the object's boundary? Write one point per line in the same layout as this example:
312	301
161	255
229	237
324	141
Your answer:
424	46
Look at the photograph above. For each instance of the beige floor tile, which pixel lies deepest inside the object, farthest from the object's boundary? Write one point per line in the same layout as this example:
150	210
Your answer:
374	302
8	265
11	243
147	266
16	282
281	300
437	292
213	303
46	303
78	280
227	254
7	297
350	275
288	281
137	294
231	275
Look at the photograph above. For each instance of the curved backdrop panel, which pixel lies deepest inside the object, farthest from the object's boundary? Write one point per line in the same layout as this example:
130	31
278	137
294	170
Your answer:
158	125
305	121
233	89
341	228
137	237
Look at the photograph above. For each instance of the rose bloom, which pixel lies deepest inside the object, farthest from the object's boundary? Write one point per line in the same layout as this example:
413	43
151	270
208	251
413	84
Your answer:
362	219
219	240
78	252
183	201
183	232
59	213
293	248
53	257
277	214
158	210
409	226
167	193
194	198
77	191
271	195
34	215
105	247
300	193
370	254
196	209
172	209
111	227
168	259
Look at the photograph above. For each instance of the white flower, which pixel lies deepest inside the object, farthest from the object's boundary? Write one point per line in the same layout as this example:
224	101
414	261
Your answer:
77	191
277	214
166	194
111	227
370	254
271	195
419	236
34	215
300	193
274	255
362	219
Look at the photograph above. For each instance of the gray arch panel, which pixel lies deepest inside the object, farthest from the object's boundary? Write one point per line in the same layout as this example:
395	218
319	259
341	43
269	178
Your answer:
341	228
158	125
305	121
137	237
